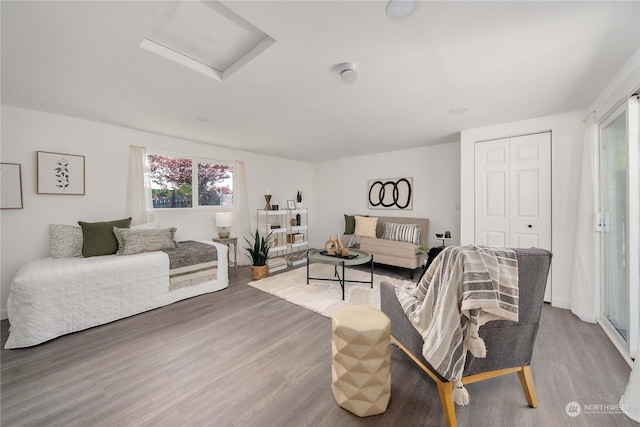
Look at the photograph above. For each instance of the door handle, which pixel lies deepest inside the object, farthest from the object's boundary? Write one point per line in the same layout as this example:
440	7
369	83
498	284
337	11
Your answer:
530	226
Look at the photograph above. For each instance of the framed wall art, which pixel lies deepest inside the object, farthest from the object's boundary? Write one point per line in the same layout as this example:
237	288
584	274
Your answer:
391	193
60	173
11	186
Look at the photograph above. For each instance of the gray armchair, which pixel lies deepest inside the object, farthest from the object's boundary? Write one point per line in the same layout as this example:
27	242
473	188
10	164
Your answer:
509	344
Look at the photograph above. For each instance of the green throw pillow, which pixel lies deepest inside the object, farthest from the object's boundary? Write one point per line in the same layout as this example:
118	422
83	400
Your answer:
350	223
98	238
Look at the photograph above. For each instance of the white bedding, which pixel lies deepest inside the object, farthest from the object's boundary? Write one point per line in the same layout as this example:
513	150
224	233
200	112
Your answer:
52	297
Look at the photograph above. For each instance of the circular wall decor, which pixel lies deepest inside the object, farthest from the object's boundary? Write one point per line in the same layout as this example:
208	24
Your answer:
391	193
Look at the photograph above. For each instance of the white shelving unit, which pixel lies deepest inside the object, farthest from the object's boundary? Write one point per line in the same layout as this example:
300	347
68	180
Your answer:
284	227
297	225
274	222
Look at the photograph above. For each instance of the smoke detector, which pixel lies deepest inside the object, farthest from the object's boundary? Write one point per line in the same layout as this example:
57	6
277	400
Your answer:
348	72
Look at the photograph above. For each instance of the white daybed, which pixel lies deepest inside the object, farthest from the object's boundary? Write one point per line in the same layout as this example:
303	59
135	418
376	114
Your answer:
53	297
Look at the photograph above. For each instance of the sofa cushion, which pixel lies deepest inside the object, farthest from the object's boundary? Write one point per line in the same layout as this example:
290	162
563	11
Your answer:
350	223
388	247
402	232
98	238
366	226
65	241
137	241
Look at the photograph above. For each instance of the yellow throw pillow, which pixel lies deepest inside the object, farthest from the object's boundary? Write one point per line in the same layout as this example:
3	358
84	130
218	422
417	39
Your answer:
366	226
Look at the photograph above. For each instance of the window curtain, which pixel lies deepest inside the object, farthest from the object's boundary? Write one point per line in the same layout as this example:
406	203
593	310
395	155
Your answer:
585	278
139	204
240	209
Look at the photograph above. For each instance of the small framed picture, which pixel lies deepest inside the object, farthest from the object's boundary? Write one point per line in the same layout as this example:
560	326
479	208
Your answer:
60	173
291	204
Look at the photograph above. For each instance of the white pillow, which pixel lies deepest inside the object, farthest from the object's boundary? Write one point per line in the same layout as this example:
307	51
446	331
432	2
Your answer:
366	226
65	241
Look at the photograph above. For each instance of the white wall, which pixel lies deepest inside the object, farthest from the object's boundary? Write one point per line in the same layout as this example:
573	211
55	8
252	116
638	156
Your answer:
340	187
624	84
24	232
566	154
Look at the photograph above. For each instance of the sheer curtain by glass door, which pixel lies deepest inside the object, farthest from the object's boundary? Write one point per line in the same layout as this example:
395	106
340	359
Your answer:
620	195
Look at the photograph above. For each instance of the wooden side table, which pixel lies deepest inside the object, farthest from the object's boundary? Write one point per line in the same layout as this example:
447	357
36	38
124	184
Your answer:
230	241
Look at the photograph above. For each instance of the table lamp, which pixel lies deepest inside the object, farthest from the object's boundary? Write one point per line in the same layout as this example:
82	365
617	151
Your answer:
223	220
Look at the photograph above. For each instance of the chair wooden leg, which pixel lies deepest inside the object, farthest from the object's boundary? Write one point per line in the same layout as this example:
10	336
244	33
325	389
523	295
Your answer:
527	386
445	390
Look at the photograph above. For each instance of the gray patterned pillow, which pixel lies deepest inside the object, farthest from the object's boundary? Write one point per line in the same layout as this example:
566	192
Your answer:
65	241
144	240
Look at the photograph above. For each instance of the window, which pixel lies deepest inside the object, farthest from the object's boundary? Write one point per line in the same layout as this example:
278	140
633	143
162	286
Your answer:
176	182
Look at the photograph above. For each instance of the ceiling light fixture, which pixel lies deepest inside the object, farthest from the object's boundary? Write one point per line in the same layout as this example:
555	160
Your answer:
398	10
348	73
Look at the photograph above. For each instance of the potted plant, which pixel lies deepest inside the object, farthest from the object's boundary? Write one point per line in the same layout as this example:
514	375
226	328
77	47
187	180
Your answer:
259	253
422	250
299	199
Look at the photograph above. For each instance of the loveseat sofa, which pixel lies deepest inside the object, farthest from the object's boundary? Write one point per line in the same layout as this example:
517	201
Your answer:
393	250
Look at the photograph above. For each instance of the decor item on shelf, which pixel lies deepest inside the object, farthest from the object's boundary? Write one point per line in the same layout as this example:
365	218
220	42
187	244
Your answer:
259	253
299	199
295	238
275	206
291	204
447	234
439	235
267	197
223	220
298	219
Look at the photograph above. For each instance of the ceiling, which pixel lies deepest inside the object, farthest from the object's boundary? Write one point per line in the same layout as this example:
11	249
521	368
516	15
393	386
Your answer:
503	61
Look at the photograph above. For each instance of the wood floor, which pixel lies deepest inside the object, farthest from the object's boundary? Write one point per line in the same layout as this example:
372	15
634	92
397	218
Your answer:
241	357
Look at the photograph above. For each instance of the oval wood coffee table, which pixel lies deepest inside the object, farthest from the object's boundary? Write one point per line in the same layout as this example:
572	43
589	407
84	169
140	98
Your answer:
356	257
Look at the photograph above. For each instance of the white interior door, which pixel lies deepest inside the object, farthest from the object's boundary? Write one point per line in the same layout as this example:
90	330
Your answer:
513	192
530	213
492	193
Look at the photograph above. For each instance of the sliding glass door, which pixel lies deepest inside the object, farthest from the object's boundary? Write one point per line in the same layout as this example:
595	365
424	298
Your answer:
620	195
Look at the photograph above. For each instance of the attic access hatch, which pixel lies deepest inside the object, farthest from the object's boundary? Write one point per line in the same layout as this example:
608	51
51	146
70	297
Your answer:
206	37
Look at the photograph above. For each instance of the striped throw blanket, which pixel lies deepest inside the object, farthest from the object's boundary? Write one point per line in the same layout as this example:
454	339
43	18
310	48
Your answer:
463	288
191	263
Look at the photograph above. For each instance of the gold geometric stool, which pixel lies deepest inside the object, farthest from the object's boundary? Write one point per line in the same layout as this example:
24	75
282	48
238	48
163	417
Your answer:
361	360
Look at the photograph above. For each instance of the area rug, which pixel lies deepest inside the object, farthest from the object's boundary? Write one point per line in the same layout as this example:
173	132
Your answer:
321	296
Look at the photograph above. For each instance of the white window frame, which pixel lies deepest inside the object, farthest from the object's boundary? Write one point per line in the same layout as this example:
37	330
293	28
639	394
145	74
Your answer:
195	204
